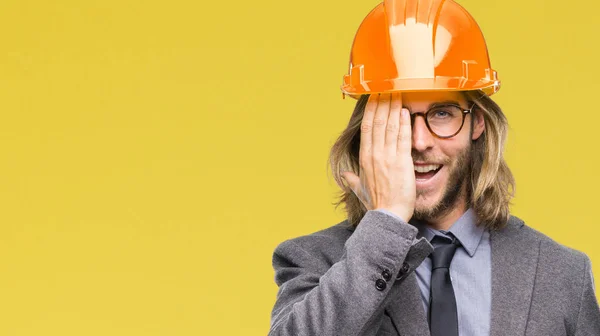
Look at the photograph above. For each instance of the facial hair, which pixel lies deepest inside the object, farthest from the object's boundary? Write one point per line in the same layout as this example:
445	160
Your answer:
457	178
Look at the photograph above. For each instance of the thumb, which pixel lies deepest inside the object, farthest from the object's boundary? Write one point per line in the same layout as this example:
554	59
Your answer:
352	180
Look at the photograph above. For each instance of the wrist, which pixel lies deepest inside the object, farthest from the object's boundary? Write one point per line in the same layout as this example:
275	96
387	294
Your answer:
398	213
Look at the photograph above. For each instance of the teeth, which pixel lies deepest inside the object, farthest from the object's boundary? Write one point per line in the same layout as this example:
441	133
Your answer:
425	169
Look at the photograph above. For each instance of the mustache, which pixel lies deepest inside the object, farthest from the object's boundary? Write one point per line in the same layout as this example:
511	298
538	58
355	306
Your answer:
422	157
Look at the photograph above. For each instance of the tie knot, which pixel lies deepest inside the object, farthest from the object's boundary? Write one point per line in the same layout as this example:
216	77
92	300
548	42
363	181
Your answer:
444	251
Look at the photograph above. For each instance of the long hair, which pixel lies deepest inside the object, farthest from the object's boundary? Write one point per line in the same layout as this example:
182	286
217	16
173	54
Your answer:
491	184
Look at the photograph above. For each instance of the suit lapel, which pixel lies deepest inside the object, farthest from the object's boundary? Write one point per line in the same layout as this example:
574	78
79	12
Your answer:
406	308
514	259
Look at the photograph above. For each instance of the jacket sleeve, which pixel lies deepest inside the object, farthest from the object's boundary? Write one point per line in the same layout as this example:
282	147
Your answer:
588	320
317	299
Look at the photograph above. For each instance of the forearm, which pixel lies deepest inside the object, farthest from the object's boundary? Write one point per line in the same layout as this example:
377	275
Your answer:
345	298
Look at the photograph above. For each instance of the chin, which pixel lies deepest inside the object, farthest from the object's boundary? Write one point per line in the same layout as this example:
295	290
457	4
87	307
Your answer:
429	196
426	202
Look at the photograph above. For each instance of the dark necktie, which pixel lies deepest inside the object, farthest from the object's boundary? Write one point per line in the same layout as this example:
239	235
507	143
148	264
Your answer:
443	320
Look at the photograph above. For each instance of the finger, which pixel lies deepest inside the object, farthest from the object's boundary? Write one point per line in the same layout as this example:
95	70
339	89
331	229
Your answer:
365	155
379	122
393	126
366	127
405	134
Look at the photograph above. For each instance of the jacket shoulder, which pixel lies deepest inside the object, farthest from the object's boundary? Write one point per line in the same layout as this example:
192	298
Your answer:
326	245
552	253
550	245
565	275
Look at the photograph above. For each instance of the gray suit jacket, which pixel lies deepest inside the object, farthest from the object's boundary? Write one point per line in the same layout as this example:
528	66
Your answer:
328	283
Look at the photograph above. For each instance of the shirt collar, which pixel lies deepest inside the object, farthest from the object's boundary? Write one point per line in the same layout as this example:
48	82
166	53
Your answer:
465	229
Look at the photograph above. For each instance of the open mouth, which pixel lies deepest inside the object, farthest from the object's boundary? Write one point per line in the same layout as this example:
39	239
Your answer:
425	172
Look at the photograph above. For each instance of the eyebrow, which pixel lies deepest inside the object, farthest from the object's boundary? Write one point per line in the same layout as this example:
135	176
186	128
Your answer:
440	103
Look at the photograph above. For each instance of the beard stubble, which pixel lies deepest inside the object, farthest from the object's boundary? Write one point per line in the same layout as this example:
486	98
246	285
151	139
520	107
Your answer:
457	178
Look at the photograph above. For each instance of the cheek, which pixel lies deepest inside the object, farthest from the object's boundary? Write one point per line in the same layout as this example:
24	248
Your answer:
452	148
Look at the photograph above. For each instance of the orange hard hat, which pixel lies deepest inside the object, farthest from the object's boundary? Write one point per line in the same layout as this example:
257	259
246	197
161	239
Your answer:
419	45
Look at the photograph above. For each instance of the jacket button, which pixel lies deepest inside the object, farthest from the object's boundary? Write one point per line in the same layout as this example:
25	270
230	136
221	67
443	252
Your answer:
405	268
386	275
380	284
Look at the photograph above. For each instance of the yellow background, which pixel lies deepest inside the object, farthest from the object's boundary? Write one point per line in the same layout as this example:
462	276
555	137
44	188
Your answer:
154	153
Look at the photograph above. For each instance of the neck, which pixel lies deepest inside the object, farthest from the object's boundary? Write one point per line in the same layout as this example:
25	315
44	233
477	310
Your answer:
446	221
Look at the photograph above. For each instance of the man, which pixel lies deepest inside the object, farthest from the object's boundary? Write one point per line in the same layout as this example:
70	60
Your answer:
429	246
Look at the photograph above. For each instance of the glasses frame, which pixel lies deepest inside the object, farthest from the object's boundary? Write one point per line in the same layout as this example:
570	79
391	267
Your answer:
413	116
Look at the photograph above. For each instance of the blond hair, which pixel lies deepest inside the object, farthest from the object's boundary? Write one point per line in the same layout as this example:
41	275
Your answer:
491	185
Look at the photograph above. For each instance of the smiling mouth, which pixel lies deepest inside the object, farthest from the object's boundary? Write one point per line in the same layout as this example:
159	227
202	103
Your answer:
425	172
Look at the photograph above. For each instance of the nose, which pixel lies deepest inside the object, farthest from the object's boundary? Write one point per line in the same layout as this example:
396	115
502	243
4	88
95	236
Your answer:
422	139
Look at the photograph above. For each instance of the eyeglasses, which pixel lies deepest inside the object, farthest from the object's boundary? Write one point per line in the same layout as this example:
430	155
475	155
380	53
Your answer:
443	120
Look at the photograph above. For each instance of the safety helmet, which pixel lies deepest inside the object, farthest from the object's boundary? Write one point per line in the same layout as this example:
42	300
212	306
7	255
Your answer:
419	45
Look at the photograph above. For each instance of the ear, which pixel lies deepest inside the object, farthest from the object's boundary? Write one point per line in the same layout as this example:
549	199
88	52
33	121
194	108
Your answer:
479	124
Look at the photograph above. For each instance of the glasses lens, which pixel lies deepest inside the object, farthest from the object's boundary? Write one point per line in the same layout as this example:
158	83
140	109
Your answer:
445	120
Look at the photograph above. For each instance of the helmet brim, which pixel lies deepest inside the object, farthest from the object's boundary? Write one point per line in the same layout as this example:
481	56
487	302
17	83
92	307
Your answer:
439	83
